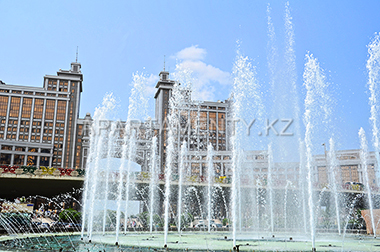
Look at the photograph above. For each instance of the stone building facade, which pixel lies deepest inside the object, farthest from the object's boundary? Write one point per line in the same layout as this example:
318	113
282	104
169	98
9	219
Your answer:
40	126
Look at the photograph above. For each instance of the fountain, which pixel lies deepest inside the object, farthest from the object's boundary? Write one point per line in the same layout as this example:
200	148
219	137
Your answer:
135	199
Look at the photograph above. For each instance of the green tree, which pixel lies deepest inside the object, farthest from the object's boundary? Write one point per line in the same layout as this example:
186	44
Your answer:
186	219
70	215
225	221
144	218
156	220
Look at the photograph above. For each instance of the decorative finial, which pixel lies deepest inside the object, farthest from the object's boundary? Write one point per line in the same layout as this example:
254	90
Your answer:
164	63
76	58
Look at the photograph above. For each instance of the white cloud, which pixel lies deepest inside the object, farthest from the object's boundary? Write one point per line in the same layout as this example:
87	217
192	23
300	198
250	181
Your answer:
206	79
204	94
207	72
191	53
150	83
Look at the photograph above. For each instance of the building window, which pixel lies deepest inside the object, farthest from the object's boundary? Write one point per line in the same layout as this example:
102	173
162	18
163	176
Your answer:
3	105
52	85
77	158
20	148
212	121
33	150
26	108
44	161
31	160
18	159
203	120
63	86
49	112
15	107
6	147
80	128
221	122
5	158
61	110
38	108
45	151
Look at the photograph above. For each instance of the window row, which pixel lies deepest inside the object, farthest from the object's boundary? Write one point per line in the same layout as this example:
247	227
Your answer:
27	108
27	149
29	160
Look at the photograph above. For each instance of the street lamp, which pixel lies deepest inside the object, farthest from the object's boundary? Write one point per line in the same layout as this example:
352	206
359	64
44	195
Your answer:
324	146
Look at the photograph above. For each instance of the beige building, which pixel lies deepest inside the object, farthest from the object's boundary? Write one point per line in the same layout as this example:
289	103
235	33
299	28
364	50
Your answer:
39	125
349	169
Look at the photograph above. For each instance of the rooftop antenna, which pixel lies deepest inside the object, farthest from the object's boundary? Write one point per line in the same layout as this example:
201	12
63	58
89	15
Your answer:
164	63
76	57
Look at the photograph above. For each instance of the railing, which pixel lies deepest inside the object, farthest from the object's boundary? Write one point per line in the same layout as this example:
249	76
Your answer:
191	179
351	186
41	171
78	172
145	177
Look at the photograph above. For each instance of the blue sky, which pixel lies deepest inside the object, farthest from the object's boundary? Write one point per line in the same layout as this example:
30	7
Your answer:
118	38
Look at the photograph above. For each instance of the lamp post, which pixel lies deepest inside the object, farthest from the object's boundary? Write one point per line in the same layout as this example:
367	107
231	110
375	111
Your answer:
324	146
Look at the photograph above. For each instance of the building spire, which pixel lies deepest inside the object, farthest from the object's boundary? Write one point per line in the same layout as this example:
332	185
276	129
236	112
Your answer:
76	57
164	63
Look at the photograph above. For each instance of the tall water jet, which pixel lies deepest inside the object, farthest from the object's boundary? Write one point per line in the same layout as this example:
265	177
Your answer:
124	155
137	108
257	202
131	154
110	153
302	183
173	121
210	180
291	82
364	158
153	180
288	184
272	61
283	87
291	71
282	79
333	164
270	186
99	131
272	55
181	171
168	174
87	182
239	192
314	82
234	185
373	67
240	63
246	100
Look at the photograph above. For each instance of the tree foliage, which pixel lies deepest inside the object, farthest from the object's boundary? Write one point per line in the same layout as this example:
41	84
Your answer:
70	215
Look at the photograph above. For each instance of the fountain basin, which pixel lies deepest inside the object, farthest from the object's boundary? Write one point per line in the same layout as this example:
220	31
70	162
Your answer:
189	241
